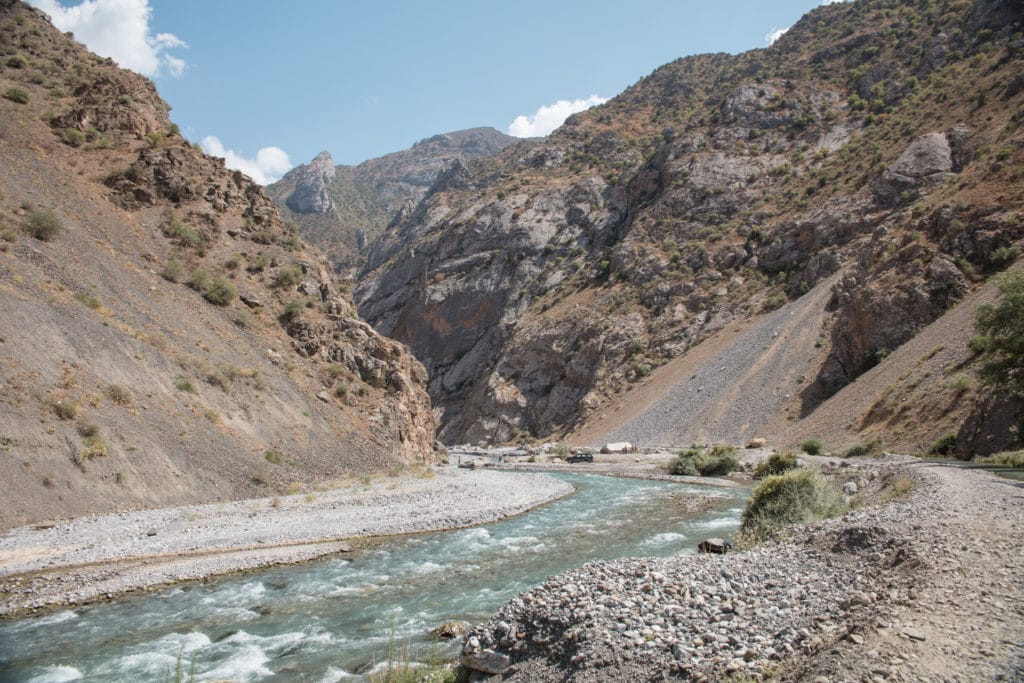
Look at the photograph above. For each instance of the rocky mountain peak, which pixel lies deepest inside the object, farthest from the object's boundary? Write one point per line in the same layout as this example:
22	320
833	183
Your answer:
311	182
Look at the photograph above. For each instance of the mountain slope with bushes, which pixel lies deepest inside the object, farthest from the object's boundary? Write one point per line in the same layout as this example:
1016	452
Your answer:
876	145
165	337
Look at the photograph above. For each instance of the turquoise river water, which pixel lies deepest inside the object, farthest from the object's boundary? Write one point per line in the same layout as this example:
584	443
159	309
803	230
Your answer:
335	619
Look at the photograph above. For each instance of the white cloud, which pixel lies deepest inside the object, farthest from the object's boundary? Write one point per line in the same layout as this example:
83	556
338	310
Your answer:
119	29
774	34
269	165
550	116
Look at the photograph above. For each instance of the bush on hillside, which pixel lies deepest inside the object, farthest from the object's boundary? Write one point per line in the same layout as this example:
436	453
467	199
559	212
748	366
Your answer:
19	95
1000	337
872	449
944	445
289	276
220	291
812	446
777	463
798	496
43	225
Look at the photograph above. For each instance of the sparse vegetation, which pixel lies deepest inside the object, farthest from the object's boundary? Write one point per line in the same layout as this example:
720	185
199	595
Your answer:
19	95
1000	338
89	300
872	449
43	225
273	457
183	384
775	301
798	496
944	445
1005	458
244	319
72	137
289	276
716	461
185	234
220	291
65	409
812	446
258	263
777	463
118	394
174	271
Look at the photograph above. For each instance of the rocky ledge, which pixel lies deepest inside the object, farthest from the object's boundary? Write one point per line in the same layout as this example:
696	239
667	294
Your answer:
862	597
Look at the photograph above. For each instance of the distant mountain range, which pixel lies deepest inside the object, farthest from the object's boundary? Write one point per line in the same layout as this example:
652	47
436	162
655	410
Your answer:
342	209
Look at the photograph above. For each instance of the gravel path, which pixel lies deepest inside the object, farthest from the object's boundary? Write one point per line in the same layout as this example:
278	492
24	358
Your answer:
96	557
923	587
727	398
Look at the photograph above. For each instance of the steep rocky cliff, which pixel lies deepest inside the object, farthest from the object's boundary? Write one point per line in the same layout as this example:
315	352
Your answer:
877	142
342	209
164	336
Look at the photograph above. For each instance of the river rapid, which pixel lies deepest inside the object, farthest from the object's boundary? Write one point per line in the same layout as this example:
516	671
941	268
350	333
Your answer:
337	619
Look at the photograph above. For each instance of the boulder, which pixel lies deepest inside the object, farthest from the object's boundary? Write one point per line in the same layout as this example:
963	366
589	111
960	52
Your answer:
717	546
849	488
927	161
449	630
488	661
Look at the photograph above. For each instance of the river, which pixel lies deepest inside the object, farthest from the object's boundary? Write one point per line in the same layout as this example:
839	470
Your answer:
337	618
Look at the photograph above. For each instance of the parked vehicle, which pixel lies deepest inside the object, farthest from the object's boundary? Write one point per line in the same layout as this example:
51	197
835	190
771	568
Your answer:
580	457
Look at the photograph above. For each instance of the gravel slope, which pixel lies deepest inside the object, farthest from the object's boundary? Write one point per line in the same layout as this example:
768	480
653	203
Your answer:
922	588
729	388
97	556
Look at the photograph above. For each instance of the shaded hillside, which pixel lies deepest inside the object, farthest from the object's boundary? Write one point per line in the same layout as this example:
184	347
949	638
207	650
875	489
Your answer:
163	337
881	139
342	209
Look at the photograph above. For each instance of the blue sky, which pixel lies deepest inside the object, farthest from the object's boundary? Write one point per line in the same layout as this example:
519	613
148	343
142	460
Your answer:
361	79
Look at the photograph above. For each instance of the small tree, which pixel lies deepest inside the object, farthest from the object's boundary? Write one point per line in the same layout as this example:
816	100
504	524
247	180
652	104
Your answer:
1000	337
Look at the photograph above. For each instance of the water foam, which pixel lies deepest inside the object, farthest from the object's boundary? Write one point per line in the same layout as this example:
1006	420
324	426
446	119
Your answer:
57	674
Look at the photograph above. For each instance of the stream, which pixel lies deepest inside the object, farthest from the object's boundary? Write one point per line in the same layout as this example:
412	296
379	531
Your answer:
336	619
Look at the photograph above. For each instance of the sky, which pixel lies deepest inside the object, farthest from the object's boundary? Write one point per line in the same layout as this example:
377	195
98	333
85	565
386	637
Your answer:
269	84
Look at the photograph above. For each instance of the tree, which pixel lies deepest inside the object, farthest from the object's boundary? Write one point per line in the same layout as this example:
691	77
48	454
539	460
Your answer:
1000	337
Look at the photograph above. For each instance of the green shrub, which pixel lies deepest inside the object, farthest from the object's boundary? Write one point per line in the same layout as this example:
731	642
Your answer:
43	224
1000	331
874	449
174	271
798	496
182	384
716	461
775	301
186	235
1006	459
17	62
944	445
72	137
154	139
341	390
777	463
244	319
199	280
95	447
258	263
118	394
1003	256
220	291
89	300
18	95
294	308
272	457
812	446
289	276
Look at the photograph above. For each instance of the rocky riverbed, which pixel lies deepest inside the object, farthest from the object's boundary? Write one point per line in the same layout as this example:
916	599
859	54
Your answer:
96	557
919	583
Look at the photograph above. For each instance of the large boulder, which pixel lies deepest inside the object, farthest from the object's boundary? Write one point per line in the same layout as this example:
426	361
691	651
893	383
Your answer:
926	162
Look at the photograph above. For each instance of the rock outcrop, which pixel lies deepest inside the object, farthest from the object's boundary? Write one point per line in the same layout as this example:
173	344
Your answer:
311	193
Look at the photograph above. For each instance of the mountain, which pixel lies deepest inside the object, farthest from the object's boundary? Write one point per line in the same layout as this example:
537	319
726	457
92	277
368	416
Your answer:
342	209
844	189
164	337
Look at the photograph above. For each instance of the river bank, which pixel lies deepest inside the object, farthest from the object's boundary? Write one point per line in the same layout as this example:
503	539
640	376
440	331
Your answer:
869	596
99	557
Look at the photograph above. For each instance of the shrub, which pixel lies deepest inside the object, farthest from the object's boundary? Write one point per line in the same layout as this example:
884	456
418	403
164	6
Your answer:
199	280
182	384
294	308
18	95
774	302
944	445
341	390
1005	458
717	461
118	394
1000	329
244	319
43	225
273	457
174	271
812	446
72	137
186	235
66	410
89	300
17	62
874	449
777	463
154	139
87	429
258	263
1003	256
798	496
220	291
95	447
289	276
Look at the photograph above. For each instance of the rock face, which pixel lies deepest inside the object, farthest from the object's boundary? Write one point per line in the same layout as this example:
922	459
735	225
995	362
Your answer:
213	354
342	209
311	182
540	285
